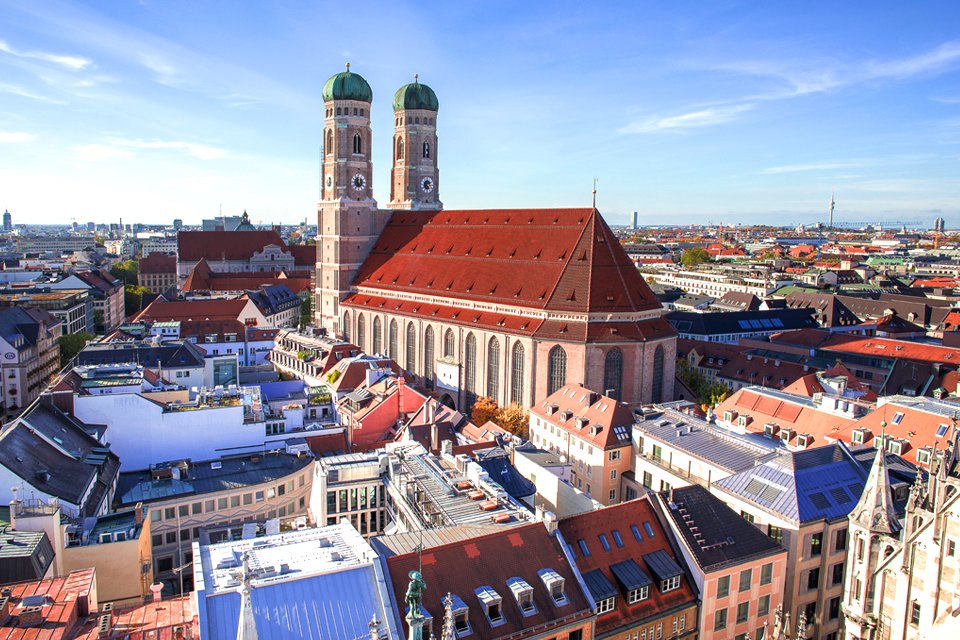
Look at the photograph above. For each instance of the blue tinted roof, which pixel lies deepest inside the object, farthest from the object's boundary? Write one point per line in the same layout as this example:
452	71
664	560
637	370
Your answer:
598	584
323	607
629	574
661	565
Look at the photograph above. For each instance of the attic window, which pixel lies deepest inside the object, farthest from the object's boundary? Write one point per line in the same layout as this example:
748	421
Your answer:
513	253
492	605
494	290
563	256
517	292
898	417
804	440
536	256
523	592
554	582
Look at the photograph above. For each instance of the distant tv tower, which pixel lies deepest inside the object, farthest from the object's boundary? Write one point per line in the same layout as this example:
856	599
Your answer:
832	203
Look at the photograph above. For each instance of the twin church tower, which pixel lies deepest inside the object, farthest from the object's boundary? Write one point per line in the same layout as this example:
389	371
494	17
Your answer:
349	220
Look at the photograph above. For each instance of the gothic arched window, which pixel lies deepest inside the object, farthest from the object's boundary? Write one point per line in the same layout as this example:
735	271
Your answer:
428	358
399	148
345	326
328	147
411	362
613	373
357	143
392	341
556	369
426	149
448	344
657	375
361	332
470	369
377	337
493	368
516	377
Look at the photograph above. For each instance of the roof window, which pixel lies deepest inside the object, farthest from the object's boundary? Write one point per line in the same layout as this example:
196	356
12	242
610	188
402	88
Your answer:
523	592
898	417
492	605
554	583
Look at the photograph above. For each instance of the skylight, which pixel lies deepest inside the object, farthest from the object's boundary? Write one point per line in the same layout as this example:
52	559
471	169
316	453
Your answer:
648	529
898	417
617	539
636	532
604	542
583	548
942	430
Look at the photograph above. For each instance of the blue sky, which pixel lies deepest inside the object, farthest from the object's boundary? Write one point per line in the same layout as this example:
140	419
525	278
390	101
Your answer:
685	111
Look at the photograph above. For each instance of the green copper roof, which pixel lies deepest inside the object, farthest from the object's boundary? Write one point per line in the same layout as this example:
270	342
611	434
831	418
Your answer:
347	86
415	96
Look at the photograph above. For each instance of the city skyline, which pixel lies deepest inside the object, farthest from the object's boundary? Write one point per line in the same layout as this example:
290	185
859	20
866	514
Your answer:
729	112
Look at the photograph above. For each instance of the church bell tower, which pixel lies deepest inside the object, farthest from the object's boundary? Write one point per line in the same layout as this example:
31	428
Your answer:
349	221
415	177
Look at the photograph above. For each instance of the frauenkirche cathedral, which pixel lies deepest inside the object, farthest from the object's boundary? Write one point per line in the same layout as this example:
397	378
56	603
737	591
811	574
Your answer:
510	303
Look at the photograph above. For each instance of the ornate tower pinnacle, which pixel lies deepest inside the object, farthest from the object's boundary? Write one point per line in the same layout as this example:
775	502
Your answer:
416	176
414	600
875	512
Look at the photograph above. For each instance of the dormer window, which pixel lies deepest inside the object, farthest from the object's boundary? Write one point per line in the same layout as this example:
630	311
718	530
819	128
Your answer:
523	593
670	584
636	595
896	446
743	421
770	430
492	605
860	436
606	604
804	440
729	416
554	583
461	620
923	455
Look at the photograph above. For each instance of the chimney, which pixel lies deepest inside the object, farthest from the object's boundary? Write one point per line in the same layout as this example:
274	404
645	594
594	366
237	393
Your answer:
550	522
138	514
434	437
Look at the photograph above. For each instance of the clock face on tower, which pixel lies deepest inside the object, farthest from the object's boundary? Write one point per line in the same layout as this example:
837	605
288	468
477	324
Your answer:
329	181
426	185
359	182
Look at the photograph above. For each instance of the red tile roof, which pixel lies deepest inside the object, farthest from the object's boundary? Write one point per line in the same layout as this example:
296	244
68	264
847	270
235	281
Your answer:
763	408
70	604
220	309
158	263
917	428
151	621
462	567
607	425
203	278
224	245
639	513
557	259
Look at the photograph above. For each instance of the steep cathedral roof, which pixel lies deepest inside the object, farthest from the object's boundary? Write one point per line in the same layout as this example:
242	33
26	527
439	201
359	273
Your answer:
546	259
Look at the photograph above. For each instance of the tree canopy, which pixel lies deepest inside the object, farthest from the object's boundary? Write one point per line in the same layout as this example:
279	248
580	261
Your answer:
693	256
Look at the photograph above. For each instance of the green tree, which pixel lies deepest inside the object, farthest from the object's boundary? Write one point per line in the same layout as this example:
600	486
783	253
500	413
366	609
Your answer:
72	344
709	394
306	311
126	271
694	256
133	298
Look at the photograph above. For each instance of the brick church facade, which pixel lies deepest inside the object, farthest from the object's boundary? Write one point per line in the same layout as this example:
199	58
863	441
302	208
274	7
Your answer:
510	303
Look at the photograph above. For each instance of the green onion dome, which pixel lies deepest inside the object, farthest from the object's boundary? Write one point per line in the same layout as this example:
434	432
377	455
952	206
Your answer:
415	96
347	86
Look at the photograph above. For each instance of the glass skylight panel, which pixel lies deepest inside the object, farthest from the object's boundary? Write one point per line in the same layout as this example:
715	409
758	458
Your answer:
942	430
898	417
617	539
604	542
648	529
636	532
583	548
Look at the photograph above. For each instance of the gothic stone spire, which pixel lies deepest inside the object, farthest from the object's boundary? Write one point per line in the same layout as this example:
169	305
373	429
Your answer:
875	511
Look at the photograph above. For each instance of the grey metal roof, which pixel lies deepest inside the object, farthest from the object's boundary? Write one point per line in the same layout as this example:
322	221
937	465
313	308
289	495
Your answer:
716	535
24	555
805	486
201	477
600	588
689	322
705	441
661	565
629	574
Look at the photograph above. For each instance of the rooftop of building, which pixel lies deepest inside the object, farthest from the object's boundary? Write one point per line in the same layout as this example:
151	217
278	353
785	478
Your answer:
622	548
174	480
702	440
455	494
57	606
24	555
817	484
588	415
325	578
717	536
497	565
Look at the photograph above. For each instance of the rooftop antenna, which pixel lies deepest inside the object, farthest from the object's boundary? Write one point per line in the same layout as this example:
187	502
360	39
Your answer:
595	193
832	203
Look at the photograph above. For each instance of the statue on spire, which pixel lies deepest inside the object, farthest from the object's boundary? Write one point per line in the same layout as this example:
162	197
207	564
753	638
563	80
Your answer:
414	599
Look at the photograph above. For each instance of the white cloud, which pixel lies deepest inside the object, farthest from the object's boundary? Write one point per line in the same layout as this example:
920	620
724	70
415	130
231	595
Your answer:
100	152
199	151
26	93
932	61
705	117
75	63
13	137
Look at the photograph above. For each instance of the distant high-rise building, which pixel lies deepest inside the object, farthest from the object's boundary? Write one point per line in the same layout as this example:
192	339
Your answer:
636	220
938	224
177	224
7	221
